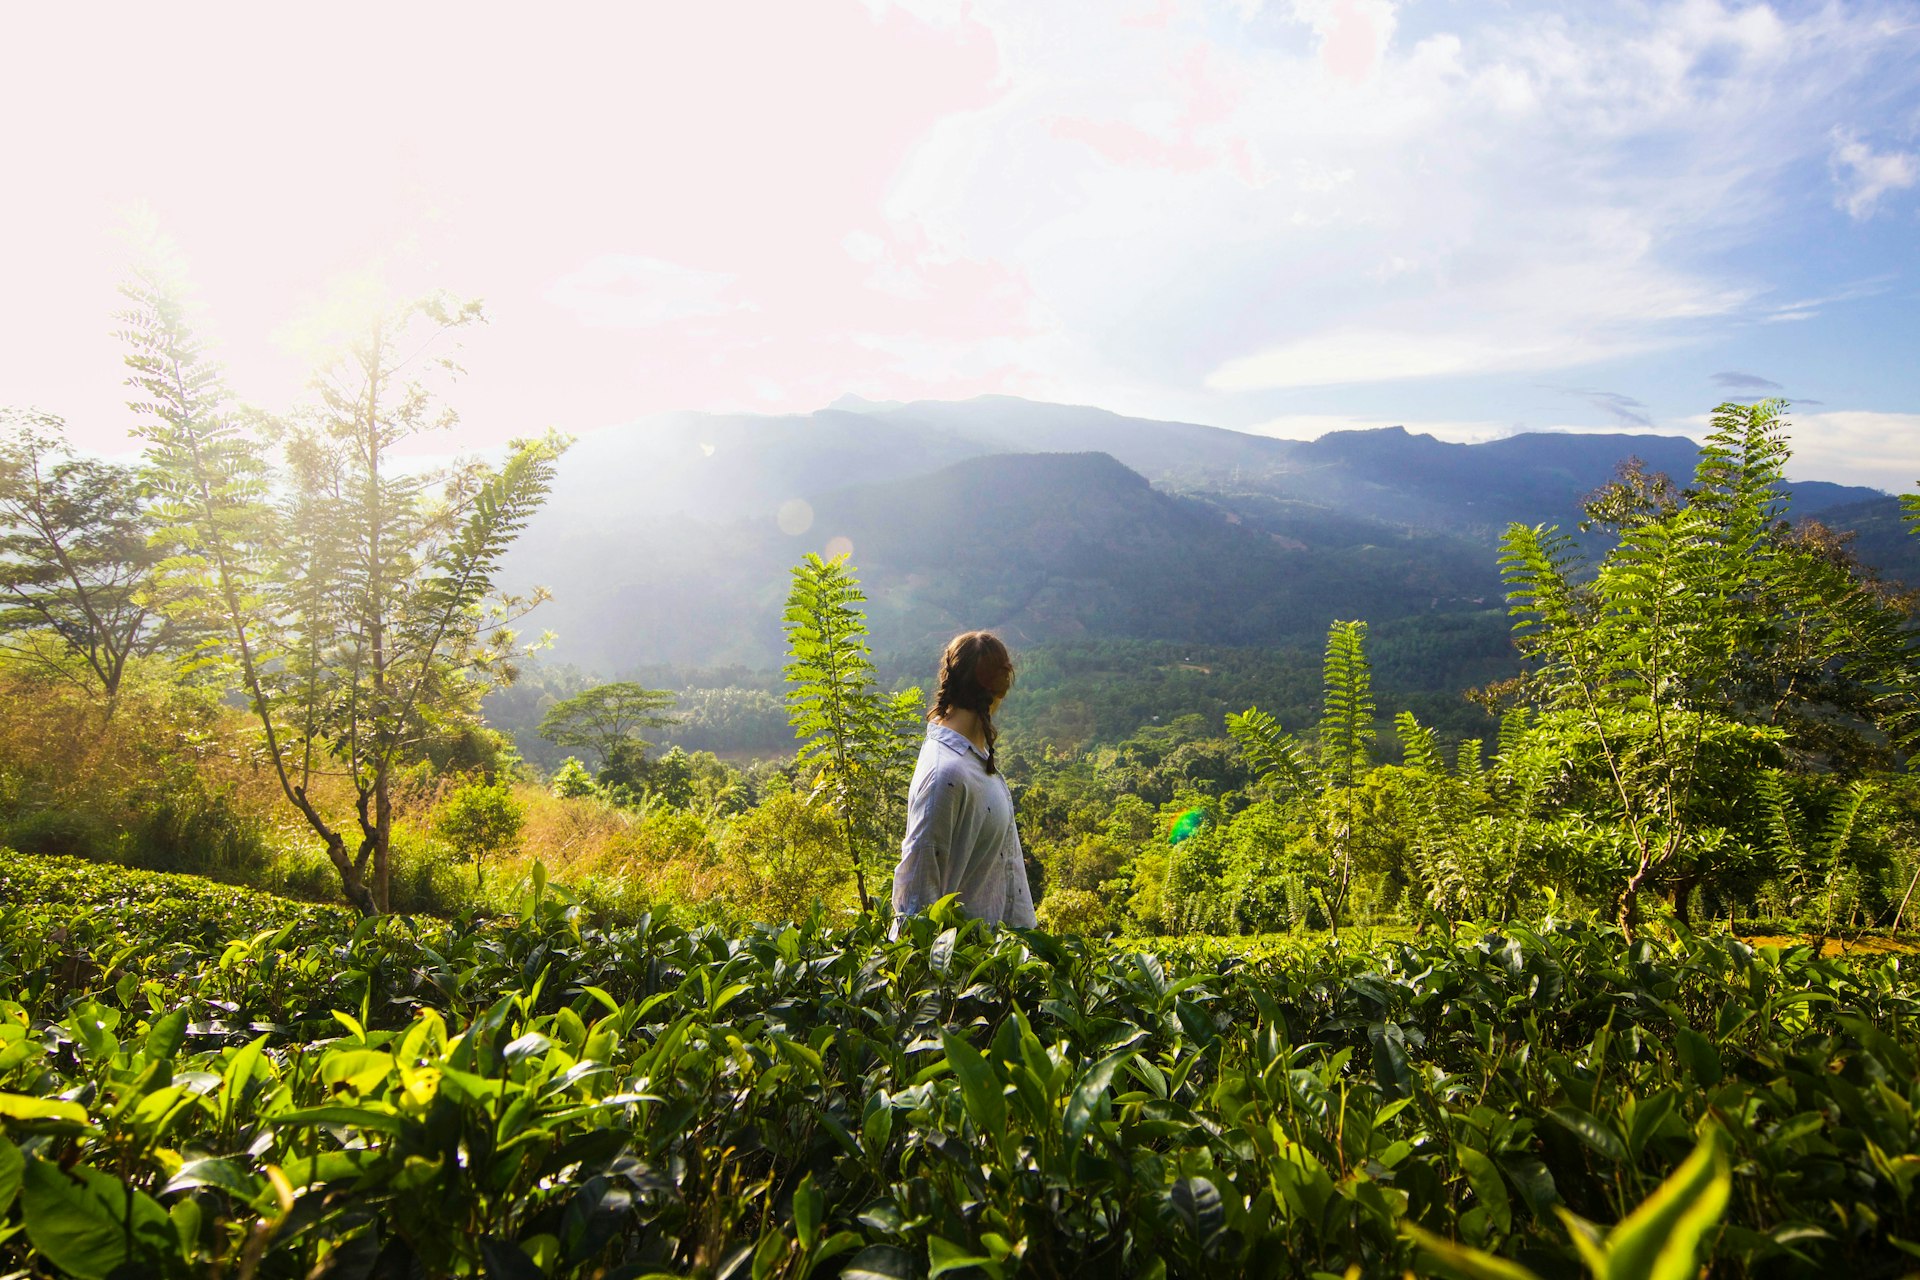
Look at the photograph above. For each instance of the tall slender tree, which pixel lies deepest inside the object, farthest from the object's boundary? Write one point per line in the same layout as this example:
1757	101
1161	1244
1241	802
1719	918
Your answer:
1329	772
353	595
855	741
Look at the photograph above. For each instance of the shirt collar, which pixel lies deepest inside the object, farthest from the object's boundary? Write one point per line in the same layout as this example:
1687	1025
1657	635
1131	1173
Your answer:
953	740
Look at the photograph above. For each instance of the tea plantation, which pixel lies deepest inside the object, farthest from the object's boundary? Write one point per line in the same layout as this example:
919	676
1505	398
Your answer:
197	1081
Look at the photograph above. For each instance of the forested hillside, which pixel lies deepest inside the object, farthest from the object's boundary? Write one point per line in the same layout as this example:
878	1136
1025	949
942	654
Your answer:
661	539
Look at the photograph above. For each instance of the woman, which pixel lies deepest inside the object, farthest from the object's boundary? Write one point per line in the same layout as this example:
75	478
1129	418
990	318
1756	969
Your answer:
961	836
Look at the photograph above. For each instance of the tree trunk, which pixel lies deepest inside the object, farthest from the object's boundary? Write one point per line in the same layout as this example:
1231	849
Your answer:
1627	907
351	883
853	856
1682	895
382	839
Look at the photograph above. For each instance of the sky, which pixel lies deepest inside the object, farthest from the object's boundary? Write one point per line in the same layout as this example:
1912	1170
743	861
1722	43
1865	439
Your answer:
1286	216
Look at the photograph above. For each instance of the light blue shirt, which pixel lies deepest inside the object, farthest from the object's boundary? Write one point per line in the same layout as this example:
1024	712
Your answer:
961	836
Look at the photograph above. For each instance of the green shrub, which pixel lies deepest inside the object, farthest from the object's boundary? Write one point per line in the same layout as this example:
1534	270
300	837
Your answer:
789	858
1078	911
572	780
480	821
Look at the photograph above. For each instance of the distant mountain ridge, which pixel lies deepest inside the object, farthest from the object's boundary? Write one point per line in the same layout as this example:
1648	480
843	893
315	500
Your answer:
670	541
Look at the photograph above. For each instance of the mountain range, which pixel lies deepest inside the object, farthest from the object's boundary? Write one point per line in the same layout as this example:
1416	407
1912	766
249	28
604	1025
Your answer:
670	540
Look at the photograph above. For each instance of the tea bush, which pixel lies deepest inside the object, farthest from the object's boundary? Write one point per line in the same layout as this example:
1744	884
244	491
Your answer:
196	1080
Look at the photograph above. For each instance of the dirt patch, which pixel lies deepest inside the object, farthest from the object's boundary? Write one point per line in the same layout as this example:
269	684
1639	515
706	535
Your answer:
1871	945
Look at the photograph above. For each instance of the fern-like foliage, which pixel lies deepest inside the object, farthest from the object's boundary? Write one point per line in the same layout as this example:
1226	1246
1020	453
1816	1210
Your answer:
856	743
1346	717
1818	860
1328	775
1513	731
1417	745
208	477
1711	626
1843	822
445	610
1468	766
1276	757
1739	478
1537	564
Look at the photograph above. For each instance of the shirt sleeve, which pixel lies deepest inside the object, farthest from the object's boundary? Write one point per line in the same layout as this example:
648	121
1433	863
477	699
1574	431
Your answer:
926	854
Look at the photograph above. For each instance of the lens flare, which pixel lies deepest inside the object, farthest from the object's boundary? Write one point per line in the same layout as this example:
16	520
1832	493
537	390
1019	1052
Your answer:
1186	824
795	517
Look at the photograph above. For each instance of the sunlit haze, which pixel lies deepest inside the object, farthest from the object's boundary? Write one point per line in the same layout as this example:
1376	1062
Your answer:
1288	217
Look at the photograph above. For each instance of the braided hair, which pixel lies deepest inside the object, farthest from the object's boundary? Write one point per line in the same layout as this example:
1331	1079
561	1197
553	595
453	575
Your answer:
967	659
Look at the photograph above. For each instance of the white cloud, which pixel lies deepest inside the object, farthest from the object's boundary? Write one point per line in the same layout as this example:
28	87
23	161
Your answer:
1863	175
626	291
1846	446
863	246
1378	355
1807	308
1210	201
1856	446
1524	317
1209	204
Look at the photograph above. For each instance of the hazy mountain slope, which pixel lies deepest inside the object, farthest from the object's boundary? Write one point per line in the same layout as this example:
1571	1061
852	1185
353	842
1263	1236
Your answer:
1168	453
1881	536
722	467
664	541
1044	547
1534	478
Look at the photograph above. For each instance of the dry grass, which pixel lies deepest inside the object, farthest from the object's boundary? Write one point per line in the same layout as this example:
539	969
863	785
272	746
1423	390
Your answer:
178	781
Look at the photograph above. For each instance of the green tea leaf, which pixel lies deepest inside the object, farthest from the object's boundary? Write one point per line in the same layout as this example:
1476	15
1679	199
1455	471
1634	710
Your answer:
92	1025
357	1070
213	1172
979	1086
1590	1130
239	1073
89	1223
165	1036
344	1117
1649	1113
1087	1094
1699	1055
881	1262
505	1260
944	1256
1489	1188
1197	1203
1660	1240
1442	1257
12	1168
809	1207
18	1106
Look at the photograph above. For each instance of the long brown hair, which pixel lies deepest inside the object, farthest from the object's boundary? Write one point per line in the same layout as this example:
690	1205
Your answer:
960	685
